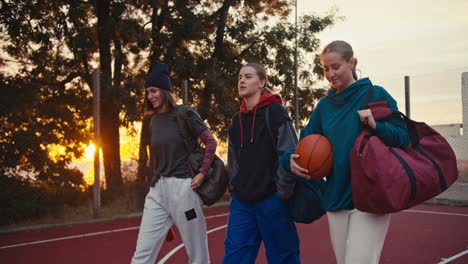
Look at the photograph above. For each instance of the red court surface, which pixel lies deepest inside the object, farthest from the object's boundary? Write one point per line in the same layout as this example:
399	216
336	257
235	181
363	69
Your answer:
424	234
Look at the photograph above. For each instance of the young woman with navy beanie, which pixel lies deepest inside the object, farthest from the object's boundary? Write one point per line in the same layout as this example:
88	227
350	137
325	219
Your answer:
258	186
357	237
172	198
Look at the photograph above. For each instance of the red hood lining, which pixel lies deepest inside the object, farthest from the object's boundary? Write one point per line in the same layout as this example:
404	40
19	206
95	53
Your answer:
265	99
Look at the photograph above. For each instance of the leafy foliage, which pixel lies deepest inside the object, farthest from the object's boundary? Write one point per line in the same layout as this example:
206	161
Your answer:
49	50
27	199
43	103
248	36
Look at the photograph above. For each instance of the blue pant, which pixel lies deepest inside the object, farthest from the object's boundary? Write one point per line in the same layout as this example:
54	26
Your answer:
267	220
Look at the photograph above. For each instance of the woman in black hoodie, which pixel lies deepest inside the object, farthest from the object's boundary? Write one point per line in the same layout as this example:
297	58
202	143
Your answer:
260	132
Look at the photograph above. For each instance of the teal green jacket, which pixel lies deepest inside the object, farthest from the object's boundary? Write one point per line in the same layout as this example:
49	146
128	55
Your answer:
336	118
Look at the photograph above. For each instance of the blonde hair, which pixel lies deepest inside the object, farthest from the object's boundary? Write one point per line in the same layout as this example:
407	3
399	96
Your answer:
343	48
168	100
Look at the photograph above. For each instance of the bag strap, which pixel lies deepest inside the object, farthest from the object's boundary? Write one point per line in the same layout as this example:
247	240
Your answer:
270	131
152	162
382	106
184	125
412	130
267	121
365	105
369	95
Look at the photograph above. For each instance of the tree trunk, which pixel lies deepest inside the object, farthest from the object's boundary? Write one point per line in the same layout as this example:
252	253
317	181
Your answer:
216	59
144	171
157	22
218	51
110	103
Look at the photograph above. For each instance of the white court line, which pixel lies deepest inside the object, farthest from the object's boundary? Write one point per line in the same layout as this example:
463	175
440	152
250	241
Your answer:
172	252
136	227
453	257
214	216
86	235
70	237
432	212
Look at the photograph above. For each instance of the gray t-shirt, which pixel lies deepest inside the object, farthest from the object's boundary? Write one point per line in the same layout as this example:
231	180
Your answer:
167	143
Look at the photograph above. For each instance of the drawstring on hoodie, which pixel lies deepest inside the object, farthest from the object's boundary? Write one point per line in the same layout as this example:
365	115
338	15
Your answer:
252	129
265	100
253	125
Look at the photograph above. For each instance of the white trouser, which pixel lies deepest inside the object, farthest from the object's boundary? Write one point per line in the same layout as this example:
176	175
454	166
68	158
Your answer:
172	201
357	237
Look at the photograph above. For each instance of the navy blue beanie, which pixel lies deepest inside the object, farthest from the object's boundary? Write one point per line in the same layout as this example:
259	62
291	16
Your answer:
159	77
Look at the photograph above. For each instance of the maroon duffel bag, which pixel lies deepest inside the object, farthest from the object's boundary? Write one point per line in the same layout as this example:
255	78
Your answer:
387	180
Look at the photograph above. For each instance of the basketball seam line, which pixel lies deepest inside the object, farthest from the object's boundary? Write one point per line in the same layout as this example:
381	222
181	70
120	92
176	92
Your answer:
325	161
312	151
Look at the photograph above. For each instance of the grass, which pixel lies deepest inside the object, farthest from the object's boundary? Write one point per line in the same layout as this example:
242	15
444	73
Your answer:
123	205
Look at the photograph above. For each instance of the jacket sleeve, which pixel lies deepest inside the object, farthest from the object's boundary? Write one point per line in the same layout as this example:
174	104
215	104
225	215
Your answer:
210	148
232	162
392	131
312	127
287	140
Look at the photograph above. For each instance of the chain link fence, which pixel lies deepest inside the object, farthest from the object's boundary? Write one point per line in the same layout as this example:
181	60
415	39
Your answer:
440	99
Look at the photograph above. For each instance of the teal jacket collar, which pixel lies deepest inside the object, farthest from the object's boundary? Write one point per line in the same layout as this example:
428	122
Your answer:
348	94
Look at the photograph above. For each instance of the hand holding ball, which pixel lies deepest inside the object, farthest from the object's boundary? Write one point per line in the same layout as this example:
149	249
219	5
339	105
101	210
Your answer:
315	155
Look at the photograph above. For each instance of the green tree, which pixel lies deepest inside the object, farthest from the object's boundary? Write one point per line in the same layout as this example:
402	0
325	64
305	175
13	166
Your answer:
206	42
51	48
40	109
122	40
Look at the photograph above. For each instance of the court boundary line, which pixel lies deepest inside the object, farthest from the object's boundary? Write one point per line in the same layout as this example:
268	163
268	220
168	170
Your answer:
86	235
69	237
181	245
433	212
137	227
447	260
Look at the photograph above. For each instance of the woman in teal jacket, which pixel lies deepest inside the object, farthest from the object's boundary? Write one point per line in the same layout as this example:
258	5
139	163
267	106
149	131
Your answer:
357	237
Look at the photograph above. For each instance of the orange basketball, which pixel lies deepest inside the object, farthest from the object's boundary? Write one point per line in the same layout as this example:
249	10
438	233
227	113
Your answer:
315	154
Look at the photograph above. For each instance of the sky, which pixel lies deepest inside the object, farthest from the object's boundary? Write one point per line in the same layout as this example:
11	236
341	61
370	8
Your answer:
399	36
426	40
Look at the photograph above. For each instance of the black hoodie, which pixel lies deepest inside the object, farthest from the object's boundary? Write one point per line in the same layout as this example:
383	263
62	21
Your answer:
253	153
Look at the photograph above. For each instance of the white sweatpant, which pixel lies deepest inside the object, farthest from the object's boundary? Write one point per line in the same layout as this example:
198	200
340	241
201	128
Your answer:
172	201
357	237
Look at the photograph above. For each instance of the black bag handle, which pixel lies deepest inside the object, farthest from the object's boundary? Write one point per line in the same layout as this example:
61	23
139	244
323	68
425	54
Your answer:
410	124
369	95
365	105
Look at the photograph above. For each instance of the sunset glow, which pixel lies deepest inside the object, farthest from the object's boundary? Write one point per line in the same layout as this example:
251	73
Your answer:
89	152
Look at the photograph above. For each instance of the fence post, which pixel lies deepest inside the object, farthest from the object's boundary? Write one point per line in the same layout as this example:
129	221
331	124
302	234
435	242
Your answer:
185	92
407	97
97	142
464	84
296	93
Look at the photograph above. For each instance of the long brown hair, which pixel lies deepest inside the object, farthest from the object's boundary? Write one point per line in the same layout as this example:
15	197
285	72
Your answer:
168	100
